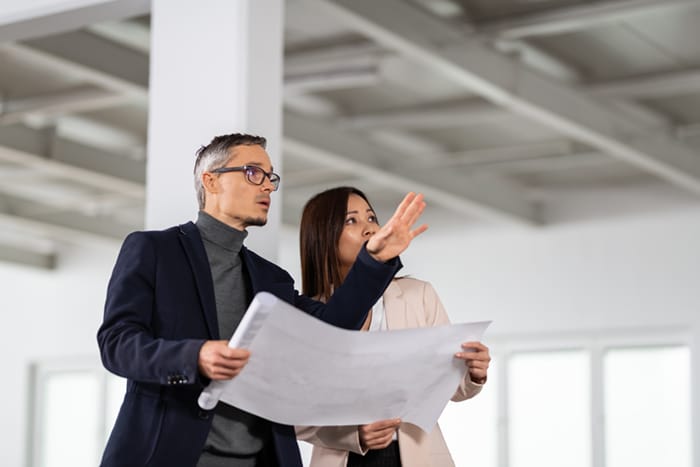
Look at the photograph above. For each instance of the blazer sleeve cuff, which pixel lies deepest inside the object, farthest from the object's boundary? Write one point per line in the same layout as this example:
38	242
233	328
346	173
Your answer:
364	257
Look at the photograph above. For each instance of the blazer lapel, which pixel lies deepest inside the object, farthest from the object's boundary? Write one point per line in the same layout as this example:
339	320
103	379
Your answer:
260	277
192	243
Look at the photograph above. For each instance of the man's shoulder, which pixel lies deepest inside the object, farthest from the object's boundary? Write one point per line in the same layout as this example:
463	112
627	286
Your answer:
167	235
173	231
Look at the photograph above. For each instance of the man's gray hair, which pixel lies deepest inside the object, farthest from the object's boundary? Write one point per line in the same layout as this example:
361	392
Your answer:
216	154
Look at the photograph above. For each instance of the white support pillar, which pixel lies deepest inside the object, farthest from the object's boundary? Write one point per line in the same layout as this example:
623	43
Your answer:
216	68
695	394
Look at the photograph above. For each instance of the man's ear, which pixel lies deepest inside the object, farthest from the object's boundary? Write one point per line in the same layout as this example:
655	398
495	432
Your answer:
210	182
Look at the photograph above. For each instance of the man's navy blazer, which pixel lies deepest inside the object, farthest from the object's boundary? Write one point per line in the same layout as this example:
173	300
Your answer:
160	309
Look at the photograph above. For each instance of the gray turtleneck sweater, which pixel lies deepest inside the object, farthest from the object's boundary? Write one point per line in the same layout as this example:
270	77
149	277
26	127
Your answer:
236	436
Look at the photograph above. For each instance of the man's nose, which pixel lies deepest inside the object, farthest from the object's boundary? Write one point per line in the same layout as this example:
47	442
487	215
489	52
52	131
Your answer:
267	185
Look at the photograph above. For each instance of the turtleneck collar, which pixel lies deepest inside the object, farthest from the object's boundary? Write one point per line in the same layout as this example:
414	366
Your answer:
215	231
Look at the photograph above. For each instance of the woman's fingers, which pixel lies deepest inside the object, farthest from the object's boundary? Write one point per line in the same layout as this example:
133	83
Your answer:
379	434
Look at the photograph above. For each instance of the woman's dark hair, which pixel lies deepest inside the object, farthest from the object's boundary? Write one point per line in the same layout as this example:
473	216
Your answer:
322	222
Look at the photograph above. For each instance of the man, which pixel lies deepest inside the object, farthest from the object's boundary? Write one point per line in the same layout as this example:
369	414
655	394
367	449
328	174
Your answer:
177	295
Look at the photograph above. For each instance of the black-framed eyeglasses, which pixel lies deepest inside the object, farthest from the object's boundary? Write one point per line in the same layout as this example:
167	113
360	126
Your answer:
253	174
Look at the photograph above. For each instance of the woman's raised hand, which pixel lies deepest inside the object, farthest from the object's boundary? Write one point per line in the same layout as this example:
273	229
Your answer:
395	236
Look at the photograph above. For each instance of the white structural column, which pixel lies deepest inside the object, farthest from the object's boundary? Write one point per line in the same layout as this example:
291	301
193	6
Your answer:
215	69
695	396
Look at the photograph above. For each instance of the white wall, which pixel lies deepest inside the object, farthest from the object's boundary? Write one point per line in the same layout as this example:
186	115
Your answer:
635	272
46	316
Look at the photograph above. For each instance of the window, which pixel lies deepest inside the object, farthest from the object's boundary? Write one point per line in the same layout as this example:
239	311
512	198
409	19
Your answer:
549	409
647	407
470	427
75	404
70	433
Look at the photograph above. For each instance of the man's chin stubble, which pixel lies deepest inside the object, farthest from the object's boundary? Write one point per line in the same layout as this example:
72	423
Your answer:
256	221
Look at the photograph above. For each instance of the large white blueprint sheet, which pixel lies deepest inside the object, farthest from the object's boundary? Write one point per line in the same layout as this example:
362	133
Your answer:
303	371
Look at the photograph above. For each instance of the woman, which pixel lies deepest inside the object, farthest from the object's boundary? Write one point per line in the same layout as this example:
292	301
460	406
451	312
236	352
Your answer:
334	226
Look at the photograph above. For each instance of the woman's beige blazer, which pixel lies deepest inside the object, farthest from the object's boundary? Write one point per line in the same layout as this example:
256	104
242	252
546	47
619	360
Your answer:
408	303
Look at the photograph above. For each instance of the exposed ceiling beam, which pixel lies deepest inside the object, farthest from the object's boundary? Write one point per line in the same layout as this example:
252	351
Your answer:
331	80
407	142
482	196
503	80
71	18
578	17
650	86
330	58
666	83
126	70
26	256
101	162
324	63
545	156
538	59
505	153
310	104
134	34
339	66
102	135
71	230
75	99
444	8
547	163
26	214
439	115
47	153
688	131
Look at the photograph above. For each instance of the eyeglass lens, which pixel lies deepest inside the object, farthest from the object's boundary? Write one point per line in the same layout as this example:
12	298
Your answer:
257	175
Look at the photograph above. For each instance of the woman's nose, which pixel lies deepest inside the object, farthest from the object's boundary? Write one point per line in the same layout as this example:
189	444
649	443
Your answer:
370	229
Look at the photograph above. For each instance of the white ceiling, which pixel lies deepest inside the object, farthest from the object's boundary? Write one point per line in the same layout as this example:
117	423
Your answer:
513	112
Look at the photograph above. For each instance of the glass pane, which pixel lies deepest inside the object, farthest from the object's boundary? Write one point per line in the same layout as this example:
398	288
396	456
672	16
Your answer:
549	409
470	427
71	431
647	407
